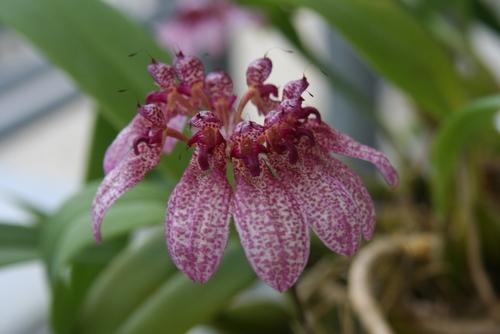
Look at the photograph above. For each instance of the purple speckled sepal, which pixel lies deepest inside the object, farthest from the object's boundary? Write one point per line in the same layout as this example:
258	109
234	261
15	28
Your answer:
271	228
326	202
123	143
258	71
197	223
130	171
338	142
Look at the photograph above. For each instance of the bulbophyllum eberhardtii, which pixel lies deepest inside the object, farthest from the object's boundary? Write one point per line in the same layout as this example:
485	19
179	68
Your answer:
286	181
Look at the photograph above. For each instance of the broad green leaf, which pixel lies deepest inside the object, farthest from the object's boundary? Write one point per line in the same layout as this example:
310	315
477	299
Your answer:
91	42
470	126
121	219
477	80
69	247
18	243
180	304
129	280
68	294
37	214
397	46
68	231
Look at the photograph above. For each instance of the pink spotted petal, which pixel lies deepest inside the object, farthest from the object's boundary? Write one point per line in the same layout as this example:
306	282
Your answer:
177	123
197	225
325	200
258	71
365	209
124	176
273	234
295	88
153	113
123	143
337	142
219	85
189	69
162	74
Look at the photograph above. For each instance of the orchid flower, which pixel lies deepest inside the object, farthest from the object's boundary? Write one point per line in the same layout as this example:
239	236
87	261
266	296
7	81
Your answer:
286	180
199	26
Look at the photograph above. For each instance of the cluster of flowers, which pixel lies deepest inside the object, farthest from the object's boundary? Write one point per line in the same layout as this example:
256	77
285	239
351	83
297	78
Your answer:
285	180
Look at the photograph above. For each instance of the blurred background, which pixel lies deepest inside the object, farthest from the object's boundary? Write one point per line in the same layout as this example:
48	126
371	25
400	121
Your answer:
392	74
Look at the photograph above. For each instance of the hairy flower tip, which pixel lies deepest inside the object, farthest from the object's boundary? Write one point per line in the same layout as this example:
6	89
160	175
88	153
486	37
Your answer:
153	113
208	138
247	130
293	108
274	117
189	69
283	134
246	146
290	106
294	89
219	85
258	71
162	74
205	119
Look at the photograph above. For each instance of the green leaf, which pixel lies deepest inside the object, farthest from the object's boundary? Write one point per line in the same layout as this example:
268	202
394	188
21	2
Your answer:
69	230
18	243
397	46
38	215
180	304
69	248
103	135
91	42
121	219
486	14
448	23
470	126
68	294
124	285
